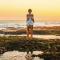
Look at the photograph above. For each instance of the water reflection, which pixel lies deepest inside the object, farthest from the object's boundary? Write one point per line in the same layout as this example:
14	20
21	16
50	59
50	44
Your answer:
35	36
37	58
16	55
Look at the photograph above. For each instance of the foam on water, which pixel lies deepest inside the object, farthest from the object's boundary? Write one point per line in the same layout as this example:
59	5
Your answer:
23	24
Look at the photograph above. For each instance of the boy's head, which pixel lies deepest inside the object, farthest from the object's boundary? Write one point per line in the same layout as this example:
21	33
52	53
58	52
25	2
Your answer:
29	10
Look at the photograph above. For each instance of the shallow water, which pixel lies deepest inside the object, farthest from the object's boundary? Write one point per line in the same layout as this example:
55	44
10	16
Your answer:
16	55
36	36
37	58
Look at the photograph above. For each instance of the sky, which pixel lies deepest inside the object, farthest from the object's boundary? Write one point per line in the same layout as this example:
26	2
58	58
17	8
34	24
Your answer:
43	10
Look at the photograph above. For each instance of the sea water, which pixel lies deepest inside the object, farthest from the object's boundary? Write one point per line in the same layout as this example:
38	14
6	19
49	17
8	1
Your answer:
22	23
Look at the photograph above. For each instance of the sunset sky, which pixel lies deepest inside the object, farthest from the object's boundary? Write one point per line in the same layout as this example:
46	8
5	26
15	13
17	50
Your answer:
43	10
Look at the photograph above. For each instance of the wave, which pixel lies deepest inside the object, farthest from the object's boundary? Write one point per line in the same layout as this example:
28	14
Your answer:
23	24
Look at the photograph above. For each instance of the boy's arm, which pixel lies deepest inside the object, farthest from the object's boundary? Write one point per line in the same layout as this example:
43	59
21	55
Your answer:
33	17
27	16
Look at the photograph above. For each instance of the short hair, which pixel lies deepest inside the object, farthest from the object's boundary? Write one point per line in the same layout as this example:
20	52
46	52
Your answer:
29	10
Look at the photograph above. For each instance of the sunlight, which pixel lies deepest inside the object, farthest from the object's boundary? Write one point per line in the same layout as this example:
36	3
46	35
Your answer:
18	8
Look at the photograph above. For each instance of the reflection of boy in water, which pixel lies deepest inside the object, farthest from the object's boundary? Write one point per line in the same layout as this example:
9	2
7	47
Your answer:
30	21
29	56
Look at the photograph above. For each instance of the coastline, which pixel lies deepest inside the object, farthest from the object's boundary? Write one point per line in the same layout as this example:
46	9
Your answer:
49	47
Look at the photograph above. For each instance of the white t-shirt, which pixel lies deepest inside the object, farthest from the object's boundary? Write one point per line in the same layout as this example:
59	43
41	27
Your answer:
29	22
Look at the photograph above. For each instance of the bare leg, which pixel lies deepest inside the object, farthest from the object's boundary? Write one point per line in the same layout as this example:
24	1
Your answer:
27	32
31	31
31	34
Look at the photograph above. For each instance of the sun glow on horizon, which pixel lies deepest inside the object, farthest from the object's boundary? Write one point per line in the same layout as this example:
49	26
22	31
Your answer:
44	10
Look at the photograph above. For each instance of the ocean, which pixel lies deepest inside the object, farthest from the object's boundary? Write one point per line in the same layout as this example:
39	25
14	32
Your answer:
22	23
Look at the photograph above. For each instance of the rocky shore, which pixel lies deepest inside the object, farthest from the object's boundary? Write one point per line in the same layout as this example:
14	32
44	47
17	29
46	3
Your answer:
50	47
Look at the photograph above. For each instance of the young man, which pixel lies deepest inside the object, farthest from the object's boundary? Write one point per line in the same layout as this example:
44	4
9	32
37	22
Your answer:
30	21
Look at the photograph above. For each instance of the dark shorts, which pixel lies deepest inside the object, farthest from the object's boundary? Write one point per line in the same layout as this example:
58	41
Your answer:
30	27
